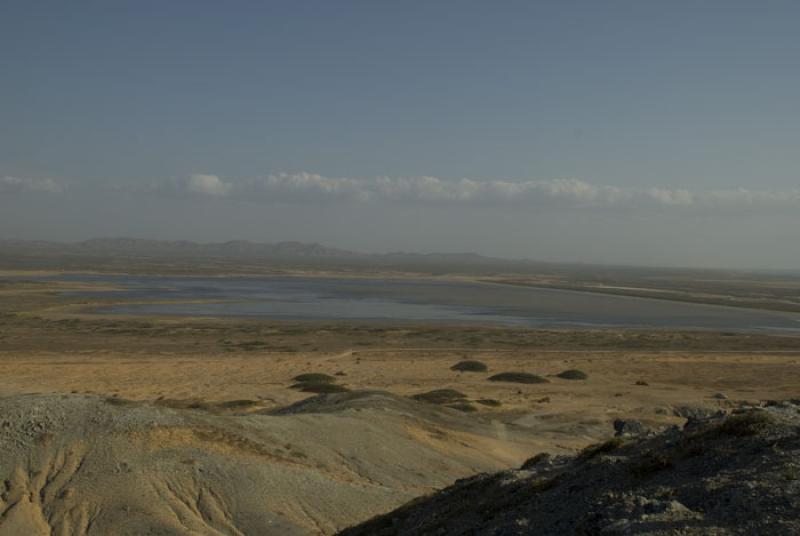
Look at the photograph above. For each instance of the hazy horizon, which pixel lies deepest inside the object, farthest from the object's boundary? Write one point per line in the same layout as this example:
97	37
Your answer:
621	133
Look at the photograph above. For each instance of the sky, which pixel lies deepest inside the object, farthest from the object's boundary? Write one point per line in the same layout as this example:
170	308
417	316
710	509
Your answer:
635	132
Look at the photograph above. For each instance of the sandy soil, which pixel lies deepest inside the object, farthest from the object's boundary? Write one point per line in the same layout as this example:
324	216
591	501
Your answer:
48	346
673	378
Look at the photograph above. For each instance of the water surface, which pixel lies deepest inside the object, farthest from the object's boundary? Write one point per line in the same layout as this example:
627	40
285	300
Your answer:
299	298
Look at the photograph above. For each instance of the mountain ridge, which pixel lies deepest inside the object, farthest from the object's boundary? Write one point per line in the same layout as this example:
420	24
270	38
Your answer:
236	248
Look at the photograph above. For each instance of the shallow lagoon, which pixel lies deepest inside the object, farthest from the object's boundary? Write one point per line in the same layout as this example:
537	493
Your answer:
307	298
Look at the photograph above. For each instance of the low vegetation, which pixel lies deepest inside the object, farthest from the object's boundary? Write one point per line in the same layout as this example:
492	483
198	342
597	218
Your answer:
470	365
316	382
517	377
441	396
314	377
746	424
573	374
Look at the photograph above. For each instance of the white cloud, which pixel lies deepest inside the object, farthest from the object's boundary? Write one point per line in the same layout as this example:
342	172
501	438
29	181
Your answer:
302	186
539	194
671	197
559	193
17	184
307	186
745	198
207	185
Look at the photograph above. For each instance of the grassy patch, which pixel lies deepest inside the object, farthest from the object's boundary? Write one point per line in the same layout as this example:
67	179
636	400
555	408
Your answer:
517	377
470	365
573	374
491	402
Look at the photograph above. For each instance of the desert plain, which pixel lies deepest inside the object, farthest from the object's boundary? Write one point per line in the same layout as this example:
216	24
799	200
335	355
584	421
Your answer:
181	425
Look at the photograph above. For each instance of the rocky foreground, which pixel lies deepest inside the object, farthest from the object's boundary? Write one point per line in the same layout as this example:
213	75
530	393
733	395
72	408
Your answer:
724	475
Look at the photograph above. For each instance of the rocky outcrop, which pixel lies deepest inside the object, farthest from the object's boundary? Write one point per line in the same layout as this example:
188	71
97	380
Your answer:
723	475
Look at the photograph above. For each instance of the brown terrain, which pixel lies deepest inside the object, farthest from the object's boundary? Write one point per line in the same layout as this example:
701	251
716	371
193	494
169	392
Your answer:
123	425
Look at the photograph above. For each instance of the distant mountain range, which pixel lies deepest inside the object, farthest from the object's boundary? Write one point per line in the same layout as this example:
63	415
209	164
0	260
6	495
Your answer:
234	249
120	253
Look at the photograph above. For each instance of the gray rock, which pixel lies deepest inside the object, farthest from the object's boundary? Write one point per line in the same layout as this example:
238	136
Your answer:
694	412
726	478
628	428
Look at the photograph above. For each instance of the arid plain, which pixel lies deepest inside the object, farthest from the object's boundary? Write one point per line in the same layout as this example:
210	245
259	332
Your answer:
214	374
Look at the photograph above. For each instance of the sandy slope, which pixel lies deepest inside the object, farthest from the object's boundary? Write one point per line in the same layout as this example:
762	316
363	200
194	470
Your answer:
76	464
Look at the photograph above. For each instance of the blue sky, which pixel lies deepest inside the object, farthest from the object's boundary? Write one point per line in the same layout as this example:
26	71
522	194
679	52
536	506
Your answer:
688	97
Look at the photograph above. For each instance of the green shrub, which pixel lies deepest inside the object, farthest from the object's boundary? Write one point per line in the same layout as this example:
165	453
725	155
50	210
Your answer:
517	377
749	423
470	366
573	374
